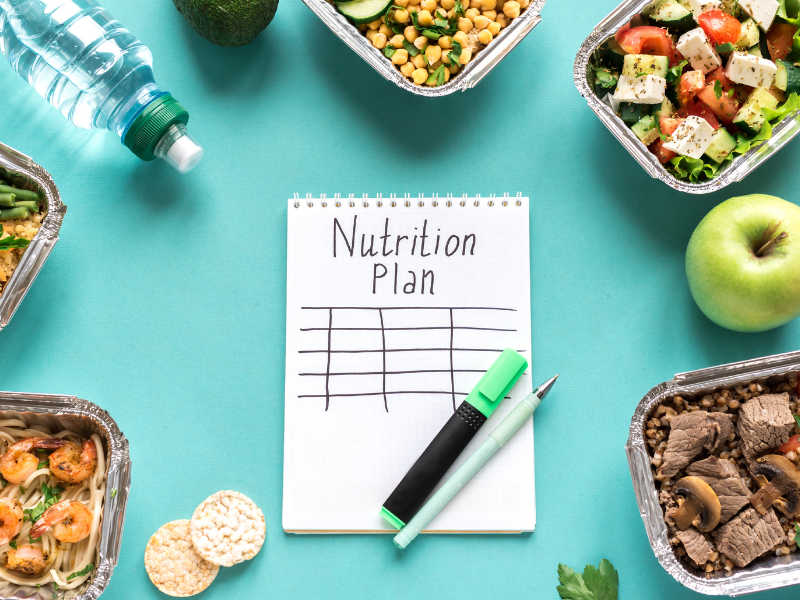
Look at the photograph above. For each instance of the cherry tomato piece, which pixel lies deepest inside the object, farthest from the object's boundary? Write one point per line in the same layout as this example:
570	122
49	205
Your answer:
649	40
726	106
663	155
792	444
779	40
698	108
691	82
720	27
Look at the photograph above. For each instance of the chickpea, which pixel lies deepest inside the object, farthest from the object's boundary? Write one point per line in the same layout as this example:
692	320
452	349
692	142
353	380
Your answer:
524	3
421	42
420	76
371	33
400	57
511	9
435	65
490	14
407	69
379	41
401	3
481	22
500	4
429	5
471	14
445	42
375	24
411	33
502	20
401	16
363	27
473	4
434	53
461	38
386	31
413	9
493	28
453	69
446	75
425	18
464	25
446	58
488	4
466	56
448	4
440	14
414	2
419	61
397	41
485	36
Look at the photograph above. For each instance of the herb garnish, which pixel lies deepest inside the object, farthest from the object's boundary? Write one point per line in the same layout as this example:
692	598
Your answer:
455	54
797	534
13	543
605	78
674	73
13	242
726	47
113	492
731	93
43	464
389	51
437	76
3	483
718	89
85	571
410	48
51	496
21	489
594	584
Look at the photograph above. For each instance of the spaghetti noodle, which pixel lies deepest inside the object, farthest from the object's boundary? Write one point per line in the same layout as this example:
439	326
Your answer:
63	560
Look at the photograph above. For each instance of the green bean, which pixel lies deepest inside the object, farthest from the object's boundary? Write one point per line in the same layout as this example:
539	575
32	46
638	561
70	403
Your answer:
6	200
6	214
32	206
21	194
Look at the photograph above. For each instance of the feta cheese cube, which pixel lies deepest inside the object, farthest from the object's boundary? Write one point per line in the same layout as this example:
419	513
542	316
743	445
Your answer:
762	11
698	7
696	48
691	138
647	89
751	70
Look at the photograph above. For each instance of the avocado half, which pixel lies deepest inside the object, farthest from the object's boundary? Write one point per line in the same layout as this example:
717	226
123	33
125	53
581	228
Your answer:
228	22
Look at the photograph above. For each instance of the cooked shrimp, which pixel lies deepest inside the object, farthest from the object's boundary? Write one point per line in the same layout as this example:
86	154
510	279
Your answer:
10	519
27	559
73	463
71	522
17	464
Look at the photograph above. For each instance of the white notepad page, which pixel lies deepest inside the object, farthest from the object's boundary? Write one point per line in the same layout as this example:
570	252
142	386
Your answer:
385	339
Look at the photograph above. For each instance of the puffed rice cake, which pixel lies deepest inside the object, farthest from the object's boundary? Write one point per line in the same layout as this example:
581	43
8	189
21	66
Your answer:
173	564
228	528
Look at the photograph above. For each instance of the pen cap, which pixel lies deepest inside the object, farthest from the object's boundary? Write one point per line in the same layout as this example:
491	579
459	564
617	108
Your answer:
497	381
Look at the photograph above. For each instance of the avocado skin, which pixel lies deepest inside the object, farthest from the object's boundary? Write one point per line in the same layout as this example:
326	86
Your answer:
228	23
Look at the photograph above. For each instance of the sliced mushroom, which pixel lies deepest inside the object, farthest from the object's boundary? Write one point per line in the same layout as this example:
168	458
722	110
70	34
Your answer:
779	481
699	505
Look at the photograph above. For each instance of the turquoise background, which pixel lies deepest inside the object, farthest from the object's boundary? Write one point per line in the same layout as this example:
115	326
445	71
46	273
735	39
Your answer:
164	301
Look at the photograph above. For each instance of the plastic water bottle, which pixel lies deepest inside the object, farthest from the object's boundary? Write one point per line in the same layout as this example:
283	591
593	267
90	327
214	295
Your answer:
98	75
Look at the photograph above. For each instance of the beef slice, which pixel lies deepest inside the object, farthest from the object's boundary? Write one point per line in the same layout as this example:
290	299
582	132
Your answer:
687	437
720	426
765	422
749	535
695	544
723	477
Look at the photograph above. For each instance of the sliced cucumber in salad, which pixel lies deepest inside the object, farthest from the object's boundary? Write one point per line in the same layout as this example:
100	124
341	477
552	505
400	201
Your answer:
364	11
671	14
788	77
636	65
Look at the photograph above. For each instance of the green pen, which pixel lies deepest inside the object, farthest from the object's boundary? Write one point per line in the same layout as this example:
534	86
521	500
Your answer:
496	440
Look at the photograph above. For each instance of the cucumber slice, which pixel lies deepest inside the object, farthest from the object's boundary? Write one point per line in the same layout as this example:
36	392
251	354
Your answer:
665	109
788	77
364	11
749	36
671	14
722	144
647	64
755	51
645	129
750	118
611	53
632	113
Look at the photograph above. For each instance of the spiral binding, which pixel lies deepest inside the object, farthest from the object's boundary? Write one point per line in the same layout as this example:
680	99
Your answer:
406	202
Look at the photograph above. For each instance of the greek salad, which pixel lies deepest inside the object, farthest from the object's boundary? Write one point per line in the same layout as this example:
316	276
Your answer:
700	82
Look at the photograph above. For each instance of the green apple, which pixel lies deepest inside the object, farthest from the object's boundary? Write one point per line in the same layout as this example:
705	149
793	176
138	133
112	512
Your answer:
743	263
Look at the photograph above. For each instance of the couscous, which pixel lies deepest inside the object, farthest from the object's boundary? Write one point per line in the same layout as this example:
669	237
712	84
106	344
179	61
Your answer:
20	221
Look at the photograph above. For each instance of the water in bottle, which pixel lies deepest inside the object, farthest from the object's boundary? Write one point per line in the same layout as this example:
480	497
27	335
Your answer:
98	75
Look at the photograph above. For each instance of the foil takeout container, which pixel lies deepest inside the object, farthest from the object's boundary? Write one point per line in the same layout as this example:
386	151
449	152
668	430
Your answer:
766	573
57	412
733	171
26	174
467	78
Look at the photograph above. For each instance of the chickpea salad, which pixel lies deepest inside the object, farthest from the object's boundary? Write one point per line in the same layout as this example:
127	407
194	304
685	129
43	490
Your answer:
726	464
430	41
700	82
21	215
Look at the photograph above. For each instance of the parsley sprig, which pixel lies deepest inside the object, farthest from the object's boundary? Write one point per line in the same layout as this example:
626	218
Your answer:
674	73
718	89
596	583
84	571
12	242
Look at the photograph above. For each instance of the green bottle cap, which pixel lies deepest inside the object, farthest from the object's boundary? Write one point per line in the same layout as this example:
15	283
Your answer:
498	381
152	123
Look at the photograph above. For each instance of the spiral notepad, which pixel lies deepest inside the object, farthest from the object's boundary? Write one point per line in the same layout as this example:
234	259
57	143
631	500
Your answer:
395	308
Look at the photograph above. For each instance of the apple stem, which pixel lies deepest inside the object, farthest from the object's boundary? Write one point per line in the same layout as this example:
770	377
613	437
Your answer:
770	244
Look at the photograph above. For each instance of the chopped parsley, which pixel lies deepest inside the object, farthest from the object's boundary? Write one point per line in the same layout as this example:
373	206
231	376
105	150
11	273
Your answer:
455	53
3	483
675	72
13	242
726	47
605	78
797	420
43	464
389	51
797	534
731	93
718	89
437	76
113	492
85	571
51	496
21	489
410	48
13	543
